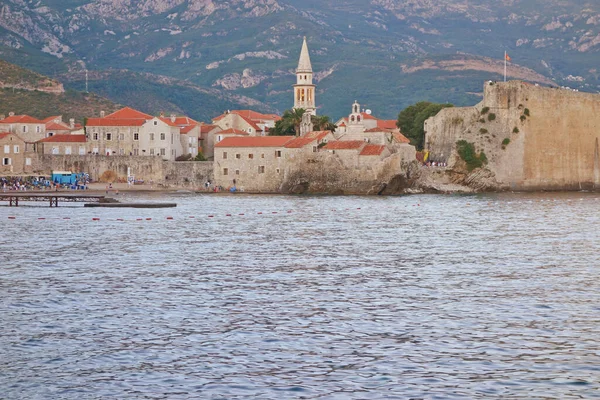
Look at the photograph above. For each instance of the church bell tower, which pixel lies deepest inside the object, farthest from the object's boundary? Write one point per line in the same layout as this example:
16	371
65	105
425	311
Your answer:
304	90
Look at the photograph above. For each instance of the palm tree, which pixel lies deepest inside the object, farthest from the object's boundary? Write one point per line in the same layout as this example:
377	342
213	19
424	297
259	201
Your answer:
289	124
323	123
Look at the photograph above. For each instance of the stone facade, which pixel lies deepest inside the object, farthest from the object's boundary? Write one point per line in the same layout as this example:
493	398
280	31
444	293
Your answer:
254	164
535	138
28	128
304	89
13	154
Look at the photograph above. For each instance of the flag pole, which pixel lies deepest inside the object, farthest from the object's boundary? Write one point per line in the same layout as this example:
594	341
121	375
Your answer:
504	65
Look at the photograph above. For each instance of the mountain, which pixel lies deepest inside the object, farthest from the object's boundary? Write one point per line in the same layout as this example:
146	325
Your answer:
386	54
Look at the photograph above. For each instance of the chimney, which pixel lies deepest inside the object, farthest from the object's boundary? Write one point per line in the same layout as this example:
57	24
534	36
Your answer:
11	114
162	114
2	116
102	114
72	123
172	117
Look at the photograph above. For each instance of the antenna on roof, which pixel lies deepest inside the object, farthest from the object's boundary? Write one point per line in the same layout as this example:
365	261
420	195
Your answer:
86	81
368	112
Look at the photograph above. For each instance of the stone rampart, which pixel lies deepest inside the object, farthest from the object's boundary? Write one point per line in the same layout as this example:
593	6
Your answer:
535	138
189	174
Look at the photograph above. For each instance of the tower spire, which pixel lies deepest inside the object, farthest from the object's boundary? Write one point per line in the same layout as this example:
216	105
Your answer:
304	89
304	64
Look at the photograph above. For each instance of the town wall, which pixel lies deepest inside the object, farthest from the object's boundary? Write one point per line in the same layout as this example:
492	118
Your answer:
188	174
541	138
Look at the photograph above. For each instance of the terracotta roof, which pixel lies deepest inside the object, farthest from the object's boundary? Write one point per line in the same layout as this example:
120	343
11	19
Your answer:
57	127
344	145
65	139
342	124
185	121
306	139
232	131
251	123
51	119
386	124
129	113
186	129
23	119
4	134
372	150
252	115
207	128
167	121
255	141
401	138
367	116
115	122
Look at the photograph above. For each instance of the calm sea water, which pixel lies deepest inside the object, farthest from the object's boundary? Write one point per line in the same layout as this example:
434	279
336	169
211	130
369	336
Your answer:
488	296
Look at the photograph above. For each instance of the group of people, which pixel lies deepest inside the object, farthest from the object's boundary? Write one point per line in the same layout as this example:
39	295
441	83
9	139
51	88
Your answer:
24	183
436	164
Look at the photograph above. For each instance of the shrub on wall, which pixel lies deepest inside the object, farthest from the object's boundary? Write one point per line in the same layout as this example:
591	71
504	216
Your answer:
483	131
515	130
484	110
467	153
491	117
526	112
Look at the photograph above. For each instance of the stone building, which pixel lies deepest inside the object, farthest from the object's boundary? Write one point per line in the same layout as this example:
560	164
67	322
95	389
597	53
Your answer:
207	140
362	125
251	163
14	155
28	128
251	122
63	145
131	132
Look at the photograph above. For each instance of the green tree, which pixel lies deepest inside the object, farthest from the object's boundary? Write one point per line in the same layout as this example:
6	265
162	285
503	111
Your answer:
289	124
411	120
323	123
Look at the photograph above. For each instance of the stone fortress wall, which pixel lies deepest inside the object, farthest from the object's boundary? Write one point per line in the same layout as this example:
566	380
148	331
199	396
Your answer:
552	136
185	174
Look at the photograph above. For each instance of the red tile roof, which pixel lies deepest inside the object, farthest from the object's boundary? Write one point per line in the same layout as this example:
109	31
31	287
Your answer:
4	134
51	119
306	139
255	141
232	131
167	121
53	126
128	113
367	116
372	150
401	138
187	129
387	124
65	139
22	119
115	122
185	121
344	145
207	128
252	115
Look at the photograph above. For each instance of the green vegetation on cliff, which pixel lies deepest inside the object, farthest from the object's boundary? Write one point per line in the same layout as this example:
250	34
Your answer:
411	120
467	153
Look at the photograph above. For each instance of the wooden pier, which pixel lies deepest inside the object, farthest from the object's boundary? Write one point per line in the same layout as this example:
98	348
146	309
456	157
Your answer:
52	197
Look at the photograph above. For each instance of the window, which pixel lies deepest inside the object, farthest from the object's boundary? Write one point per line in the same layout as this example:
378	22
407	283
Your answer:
95	136
151	152
136	152
225	171
155	123
55	150
136	136
67	149
224	155
219	138
24	128
251	156
121	136
7	149
6	161
314	149
262	155
28	161
121	152
162	136
249	130
237	171
37	129
171	138
152	136
277	170
238	156
278	153
163	152
81	150
109	136
261	169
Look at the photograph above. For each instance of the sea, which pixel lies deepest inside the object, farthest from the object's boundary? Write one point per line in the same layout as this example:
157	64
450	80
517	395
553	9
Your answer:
235	296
